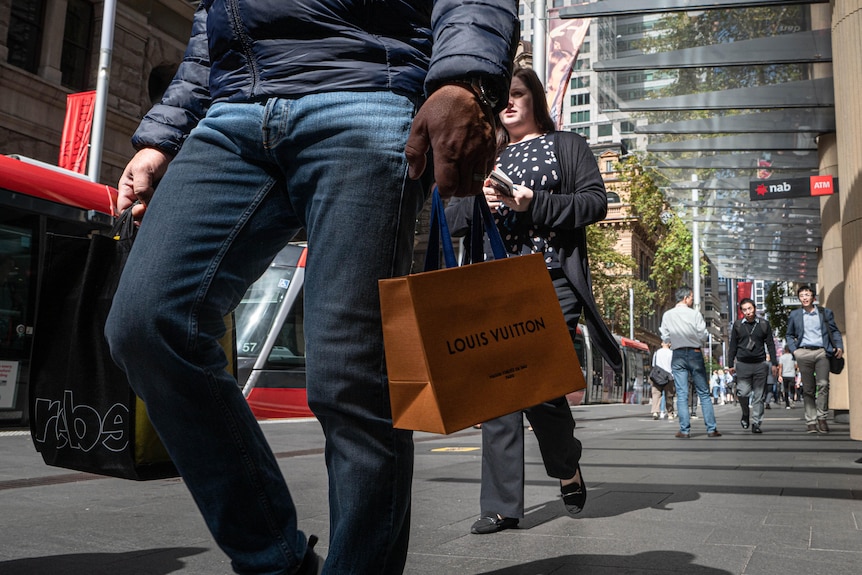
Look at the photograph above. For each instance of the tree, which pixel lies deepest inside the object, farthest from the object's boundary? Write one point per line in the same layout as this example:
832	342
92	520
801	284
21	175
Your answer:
672	239
776	311
612	276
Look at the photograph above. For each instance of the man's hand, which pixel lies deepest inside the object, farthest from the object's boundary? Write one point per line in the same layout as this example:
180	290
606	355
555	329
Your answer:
139	179
461	133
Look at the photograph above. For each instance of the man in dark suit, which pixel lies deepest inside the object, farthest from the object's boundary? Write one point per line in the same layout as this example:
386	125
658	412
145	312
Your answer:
812	338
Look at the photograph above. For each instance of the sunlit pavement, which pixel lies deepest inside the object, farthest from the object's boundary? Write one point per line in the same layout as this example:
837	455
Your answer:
783	502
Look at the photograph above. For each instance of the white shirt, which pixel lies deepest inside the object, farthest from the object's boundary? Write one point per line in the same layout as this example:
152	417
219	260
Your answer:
682	326
663	357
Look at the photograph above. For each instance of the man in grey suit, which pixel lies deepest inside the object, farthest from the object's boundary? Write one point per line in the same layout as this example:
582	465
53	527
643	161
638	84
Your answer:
812	338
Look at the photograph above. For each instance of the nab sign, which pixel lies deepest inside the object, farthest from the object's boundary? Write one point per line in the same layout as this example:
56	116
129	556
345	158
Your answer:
792	188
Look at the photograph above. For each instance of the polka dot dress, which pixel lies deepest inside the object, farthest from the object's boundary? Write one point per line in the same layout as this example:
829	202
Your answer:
533	164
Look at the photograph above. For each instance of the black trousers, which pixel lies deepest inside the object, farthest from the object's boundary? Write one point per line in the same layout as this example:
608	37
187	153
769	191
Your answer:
503	475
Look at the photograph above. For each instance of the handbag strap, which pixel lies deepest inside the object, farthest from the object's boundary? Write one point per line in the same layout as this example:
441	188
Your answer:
439	234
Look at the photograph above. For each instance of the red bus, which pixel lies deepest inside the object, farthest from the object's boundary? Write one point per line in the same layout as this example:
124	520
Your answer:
35	199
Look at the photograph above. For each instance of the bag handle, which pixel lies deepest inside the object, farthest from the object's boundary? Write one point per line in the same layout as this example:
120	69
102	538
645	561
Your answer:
439	232
124	227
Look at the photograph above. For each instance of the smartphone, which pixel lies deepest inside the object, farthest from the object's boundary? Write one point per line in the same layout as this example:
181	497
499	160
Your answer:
502	183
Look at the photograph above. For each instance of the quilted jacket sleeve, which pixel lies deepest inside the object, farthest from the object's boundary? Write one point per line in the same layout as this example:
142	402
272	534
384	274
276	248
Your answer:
186	100
474	38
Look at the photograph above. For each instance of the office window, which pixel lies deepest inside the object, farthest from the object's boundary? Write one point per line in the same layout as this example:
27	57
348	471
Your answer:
24	40
580	116
75	63
627	127
581	99
580	82
606	130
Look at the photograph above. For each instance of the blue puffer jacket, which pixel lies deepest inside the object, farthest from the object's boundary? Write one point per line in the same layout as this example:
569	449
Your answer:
250	50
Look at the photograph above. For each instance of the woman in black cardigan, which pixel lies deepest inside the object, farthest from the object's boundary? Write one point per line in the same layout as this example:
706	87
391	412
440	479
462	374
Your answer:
558	191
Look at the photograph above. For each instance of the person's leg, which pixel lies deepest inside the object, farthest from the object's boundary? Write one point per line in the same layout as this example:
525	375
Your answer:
744	386
554	428
821	394
698	371
788	390
758	388
502	491
680	380
655	407
206	236
805	360
343	157
670	397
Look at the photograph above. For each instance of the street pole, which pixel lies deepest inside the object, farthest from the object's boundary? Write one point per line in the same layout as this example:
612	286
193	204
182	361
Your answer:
695	244
539	39
631	313
100	109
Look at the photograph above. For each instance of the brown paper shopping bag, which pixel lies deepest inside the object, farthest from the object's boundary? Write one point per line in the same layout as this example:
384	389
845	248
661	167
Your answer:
468	344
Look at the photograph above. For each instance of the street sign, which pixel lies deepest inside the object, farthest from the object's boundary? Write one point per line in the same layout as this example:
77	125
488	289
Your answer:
778	189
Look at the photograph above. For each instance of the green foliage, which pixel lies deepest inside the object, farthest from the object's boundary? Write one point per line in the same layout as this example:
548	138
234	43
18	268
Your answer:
673	255
612	276
776	311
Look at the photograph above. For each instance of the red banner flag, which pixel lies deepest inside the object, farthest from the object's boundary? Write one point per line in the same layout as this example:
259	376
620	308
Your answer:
76	131
565	40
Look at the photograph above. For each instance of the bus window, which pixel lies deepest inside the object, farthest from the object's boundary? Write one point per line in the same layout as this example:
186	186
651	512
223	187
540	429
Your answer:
15	271
289	348
256	312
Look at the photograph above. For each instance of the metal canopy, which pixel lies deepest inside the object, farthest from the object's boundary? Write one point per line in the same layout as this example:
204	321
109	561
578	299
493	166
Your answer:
811	46
768	129
818	120
800	94
635	7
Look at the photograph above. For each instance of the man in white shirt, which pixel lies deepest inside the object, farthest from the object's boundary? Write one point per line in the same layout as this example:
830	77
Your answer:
685	329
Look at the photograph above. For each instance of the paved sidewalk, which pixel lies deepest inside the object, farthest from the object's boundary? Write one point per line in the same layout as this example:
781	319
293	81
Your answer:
780	503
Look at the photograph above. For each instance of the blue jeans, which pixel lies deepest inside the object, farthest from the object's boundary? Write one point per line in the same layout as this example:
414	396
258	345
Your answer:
688	363
246	180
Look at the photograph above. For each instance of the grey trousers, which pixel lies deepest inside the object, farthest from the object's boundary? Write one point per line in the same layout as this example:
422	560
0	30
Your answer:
814	370
751	383
503	474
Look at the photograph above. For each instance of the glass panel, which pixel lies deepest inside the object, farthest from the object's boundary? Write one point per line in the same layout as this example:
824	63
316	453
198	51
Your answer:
256	312
15	273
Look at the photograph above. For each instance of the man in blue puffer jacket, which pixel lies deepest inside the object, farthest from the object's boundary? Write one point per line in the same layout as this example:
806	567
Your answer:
282	116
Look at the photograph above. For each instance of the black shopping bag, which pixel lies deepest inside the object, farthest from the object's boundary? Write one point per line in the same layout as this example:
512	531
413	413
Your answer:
83	414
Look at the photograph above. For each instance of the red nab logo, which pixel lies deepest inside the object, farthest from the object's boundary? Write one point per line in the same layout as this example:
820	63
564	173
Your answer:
821	186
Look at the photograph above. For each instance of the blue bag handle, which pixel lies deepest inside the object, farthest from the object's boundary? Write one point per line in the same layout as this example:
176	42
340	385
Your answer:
439	231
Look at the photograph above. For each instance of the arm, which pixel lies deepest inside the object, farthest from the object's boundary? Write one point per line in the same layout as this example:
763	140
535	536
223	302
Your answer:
790	335
475	40
770	346
167	125
835	333
731	348
583	200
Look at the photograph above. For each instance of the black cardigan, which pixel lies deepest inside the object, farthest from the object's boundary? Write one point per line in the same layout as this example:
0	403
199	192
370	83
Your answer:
582	201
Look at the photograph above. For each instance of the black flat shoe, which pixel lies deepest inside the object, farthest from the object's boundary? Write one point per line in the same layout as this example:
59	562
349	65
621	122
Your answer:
744	422
574	495
493	524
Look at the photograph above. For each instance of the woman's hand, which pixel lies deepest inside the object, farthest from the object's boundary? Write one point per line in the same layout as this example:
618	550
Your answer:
519	201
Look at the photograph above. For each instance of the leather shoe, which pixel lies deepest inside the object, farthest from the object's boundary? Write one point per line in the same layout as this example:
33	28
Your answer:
493	524
812	428
682	435
755	429
744	422
823	426
574	494
713	434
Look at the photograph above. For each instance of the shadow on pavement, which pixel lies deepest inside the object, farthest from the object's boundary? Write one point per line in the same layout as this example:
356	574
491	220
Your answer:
648	562
144	562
